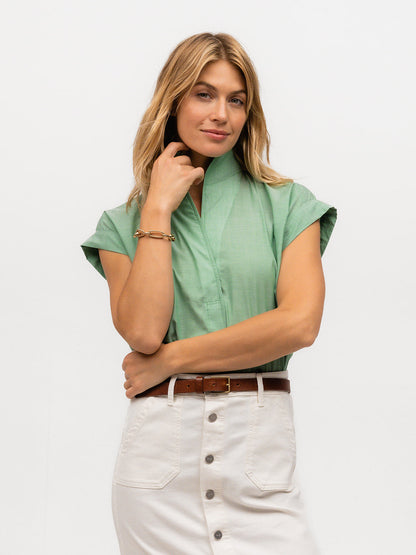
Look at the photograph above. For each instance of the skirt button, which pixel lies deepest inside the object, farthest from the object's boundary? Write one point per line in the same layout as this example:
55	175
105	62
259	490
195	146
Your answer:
209	494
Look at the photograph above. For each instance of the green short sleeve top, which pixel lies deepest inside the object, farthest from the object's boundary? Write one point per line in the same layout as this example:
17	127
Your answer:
225	262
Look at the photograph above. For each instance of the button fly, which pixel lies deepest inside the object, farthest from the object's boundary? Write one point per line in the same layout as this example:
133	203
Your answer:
209	459
218	535
209	493
212	417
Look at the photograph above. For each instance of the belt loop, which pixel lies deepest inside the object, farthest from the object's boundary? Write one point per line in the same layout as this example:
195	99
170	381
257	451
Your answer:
171	389
260	389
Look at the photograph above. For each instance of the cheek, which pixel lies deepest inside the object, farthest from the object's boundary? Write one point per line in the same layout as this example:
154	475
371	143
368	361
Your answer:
190	116
239	124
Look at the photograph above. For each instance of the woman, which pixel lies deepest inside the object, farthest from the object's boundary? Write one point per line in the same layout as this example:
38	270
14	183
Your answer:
212	310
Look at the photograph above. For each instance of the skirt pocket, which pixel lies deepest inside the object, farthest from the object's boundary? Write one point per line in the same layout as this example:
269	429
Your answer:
149	452
271	443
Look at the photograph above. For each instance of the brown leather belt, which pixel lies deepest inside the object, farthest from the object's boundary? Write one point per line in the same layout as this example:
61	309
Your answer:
211	384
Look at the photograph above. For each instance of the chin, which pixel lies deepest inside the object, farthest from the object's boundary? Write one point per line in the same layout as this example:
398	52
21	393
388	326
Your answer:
213	151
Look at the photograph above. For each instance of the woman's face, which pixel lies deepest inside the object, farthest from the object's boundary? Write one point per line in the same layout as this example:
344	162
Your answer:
217	103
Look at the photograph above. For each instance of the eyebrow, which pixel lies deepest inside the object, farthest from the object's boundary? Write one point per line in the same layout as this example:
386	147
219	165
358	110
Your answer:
214	88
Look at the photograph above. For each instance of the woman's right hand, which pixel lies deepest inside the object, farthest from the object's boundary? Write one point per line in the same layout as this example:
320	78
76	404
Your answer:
172	177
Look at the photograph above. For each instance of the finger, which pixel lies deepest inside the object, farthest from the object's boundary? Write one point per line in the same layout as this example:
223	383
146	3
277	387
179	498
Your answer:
130	392
184	160
173	147
198	175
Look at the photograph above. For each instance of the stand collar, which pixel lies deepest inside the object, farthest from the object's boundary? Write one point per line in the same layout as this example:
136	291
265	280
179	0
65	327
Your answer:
221	168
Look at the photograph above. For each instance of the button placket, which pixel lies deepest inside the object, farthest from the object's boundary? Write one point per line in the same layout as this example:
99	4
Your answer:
211	472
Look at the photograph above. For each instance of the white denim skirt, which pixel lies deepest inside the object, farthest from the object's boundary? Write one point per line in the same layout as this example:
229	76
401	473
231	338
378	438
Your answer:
212	473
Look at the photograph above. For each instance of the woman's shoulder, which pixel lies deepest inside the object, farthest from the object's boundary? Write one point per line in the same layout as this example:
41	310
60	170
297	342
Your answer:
289	190
122	218
282	196
289	195
122	214
114	232
300	209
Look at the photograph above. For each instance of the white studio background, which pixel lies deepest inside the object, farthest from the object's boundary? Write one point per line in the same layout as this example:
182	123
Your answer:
338	90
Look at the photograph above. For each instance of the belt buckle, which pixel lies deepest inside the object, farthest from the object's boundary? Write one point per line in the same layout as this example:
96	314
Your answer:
228	385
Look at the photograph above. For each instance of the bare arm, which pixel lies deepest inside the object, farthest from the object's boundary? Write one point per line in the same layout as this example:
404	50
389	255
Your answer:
293	325
141	292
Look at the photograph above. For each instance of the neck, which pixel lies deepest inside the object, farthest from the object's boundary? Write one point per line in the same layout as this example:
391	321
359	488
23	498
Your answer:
200	161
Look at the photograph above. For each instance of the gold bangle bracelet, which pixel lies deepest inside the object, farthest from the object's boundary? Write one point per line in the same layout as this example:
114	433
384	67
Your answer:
154	235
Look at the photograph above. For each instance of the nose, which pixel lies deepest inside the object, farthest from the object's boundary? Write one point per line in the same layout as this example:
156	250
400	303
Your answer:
219	113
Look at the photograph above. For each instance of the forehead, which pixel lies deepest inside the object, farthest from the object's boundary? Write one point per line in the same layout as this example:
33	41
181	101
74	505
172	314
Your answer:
222	73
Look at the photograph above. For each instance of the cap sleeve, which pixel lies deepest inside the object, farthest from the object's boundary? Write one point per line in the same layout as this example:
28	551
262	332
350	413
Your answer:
304	209
106	237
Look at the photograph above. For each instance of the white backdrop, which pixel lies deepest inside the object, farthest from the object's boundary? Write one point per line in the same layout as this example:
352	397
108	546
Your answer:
337	85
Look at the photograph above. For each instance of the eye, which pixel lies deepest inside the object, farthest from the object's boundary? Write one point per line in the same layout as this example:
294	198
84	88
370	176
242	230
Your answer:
239	101
202	93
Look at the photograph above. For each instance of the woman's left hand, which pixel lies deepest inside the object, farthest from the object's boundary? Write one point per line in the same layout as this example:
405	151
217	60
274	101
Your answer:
145	371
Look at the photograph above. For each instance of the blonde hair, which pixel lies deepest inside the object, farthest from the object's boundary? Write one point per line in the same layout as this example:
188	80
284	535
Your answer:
178	76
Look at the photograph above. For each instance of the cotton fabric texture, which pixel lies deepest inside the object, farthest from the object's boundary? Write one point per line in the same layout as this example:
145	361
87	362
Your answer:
225	262
215	473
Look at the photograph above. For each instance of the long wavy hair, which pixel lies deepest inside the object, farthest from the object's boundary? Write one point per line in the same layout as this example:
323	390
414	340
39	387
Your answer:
178	76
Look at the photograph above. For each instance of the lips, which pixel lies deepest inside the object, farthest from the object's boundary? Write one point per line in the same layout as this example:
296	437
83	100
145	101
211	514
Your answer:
215	131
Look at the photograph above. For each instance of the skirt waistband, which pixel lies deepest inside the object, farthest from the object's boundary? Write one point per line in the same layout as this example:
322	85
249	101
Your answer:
278	374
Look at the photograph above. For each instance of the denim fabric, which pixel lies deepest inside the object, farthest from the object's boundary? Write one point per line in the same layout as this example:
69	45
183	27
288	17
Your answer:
210	473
